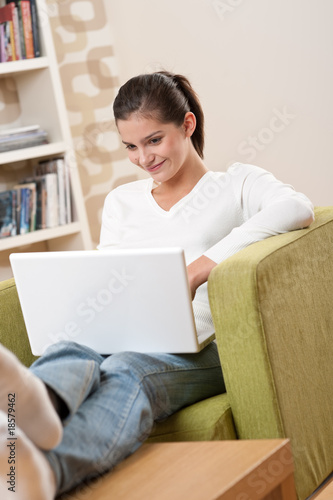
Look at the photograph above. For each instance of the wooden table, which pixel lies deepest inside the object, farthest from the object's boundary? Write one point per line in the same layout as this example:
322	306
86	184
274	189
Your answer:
219	470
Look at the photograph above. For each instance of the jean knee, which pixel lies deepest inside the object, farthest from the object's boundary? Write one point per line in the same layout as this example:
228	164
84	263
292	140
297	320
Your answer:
127	362
69	348
141	374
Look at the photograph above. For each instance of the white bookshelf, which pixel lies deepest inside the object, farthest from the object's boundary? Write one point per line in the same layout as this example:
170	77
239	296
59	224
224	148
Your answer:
14	67
41	101
36	152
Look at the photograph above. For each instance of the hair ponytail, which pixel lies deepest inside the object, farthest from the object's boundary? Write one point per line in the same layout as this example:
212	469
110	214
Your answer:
164	96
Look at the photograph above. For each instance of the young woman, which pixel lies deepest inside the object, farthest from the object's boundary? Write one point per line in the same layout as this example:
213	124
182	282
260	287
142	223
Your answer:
79	413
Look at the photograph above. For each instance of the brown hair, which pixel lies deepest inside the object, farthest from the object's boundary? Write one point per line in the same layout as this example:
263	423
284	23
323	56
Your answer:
163	96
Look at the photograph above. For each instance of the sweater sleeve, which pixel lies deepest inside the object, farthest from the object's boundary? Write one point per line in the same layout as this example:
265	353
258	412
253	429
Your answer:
268	208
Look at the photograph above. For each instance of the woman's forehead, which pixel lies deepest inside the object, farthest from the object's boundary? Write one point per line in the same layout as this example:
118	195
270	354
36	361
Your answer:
141	128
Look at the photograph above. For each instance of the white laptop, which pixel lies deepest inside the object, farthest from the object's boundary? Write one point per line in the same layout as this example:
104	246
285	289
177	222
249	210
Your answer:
111	301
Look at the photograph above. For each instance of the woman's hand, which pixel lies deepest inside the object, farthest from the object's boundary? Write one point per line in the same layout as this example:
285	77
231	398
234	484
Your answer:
198	272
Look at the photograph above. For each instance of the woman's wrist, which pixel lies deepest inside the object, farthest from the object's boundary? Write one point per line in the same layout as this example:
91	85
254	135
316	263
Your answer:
198	272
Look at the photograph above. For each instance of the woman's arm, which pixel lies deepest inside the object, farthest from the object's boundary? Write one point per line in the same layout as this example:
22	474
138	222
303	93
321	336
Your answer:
269	207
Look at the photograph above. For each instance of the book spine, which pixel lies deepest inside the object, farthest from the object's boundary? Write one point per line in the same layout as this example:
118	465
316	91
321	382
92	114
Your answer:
14	208
35	27
8	49
43	203
27	29
33	208
25	211
2	43
17	34
40	203
68	194
18	211
21	29
7	228
60	168
12	40
52	219
16	30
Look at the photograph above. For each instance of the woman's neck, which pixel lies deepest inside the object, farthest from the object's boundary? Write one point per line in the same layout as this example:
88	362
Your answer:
168	193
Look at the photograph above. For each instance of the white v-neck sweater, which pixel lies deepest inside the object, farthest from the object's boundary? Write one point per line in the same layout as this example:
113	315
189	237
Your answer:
224	213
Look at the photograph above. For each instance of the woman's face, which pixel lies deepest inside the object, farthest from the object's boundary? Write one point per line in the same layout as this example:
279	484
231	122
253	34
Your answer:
161	149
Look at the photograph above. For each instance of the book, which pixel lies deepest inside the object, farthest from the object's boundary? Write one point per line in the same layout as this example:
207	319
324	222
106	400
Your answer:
25	211
60	168
24	199
2	45
27	29
18	210
19	130
4	138
26	139
20	24
16	30
29	206
40	207
7	35
35	27
40	201
68	194
52	208
7	213
7	42
19	36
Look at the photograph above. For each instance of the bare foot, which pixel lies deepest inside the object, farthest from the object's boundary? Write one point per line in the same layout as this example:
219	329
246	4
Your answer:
25	473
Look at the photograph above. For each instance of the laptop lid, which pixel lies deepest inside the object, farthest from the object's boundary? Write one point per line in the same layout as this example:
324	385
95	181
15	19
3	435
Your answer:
110	301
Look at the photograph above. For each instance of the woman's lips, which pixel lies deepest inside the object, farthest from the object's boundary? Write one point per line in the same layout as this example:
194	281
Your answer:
155	167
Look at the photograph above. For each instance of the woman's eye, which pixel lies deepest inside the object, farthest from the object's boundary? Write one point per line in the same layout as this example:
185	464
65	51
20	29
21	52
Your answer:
156	140
130	147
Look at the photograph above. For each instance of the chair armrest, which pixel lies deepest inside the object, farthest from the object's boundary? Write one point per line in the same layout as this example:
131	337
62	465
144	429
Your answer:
273	314
13	333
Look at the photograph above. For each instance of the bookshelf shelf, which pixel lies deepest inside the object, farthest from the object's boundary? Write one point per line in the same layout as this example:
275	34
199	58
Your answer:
41	102
14	242
16	155
15	67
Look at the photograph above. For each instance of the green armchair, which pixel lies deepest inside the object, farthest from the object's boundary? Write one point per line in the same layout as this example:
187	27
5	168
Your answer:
272	305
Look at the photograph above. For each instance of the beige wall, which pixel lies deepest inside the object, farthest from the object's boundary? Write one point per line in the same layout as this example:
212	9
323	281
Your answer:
263	70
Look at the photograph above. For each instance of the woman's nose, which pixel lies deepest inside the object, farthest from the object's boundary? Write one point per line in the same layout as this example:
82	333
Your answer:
144	158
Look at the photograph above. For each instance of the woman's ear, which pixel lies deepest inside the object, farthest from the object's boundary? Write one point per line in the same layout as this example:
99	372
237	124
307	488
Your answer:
190	123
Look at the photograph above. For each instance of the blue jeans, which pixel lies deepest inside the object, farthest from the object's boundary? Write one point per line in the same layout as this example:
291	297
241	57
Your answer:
114	401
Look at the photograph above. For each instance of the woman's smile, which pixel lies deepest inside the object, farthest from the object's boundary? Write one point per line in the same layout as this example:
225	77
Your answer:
155	167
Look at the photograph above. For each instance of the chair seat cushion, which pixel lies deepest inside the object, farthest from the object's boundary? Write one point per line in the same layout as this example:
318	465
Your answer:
13	333
206	420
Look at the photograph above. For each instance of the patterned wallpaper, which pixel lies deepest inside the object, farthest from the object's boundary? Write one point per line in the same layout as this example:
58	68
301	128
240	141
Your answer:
88	70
